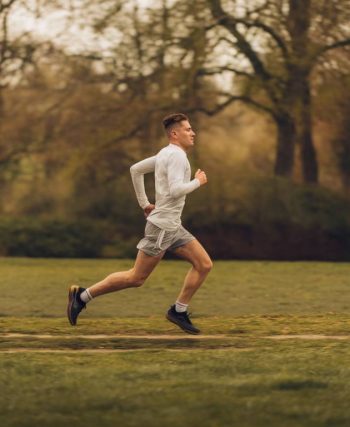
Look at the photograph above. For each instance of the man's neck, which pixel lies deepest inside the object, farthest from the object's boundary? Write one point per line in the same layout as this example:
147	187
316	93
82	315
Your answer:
178	145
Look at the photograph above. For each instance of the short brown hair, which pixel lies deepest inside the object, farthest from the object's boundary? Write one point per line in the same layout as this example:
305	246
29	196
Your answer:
172	119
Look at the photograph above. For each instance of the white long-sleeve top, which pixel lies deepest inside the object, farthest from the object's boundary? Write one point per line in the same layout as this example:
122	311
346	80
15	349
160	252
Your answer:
172	182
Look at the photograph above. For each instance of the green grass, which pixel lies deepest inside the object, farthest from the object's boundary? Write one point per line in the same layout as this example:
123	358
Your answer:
37	287
243	378
280	384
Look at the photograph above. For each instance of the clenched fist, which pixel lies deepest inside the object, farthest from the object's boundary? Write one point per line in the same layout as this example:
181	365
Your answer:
148	209
201	176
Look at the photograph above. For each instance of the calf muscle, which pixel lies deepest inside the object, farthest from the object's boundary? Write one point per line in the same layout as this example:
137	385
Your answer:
134	278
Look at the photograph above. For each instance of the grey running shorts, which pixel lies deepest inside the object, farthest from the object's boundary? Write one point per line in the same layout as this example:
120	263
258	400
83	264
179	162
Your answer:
157	240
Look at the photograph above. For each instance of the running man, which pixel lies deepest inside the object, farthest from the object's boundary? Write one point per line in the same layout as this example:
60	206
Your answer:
163	226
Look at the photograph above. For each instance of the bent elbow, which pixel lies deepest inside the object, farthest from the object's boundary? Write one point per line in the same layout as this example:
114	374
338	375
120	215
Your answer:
133	170
175	193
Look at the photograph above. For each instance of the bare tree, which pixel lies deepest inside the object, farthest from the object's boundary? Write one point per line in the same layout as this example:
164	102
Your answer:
16	53
151	59
279	42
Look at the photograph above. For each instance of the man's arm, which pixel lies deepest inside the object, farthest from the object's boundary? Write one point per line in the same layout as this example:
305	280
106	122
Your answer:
176	173
138	170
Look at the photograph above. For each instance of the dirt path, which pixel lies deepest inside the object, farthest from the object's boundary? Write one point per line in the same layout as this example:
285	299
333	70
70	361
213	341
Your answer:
165	337
107	336
111	350
170	337
309	337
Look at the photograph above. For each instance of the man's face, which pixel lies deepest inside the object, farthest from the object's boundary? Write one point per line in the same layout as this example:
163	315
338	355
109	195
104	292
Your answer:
184	135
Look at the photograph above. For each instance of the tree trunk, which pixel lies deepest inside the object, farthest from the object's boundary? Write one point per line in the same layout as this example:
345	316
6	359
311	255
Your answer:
1	105
285	145
299	23
342	143
305	139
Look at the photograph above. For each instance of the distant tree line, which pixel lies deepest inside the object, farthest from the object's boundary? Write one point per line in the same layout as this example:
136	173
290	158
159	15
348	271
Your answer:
73	120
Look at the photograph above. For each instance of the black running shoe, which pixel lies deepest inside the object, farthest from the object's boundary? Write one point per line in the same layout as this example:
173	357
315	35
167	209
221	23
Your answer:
182	320
75	304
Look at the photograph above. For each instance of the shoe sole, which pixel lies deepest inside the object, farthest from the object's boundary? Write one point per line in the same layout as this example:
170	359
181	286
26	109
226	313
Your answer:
71	295
180	326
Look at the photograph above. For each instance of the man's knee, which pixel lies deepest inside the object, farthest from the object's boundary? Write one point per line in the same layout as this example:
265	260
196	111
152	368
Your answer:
205	266
135	279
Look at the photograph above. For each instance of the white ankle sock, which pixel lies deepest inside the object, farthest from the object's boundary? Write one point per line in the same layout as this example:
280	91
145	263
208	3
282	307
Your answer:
85	296
180	307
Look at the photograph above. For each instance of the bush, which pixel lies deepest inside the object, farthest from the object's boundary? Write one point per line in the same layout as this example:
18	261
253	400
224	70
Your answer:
275	219
50	238
265	219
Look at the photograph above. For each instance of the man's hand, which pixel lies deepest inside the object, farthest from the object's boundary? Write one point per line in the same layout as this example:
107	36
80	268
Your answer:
148	209
201	176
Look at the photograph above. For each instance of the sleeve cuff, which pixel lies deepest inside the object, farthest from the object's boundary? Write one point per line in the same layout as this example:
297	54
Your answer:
198	184
145	204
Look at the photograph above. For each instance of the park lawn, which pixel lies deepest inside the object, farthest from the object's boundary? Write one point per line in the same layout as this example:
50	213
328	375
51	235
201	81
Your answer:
38	288
125	365
269	383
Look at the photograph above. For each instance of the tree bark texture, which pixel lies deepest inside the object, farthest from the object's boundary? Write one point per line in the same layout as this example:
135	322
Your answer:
284	161
299	68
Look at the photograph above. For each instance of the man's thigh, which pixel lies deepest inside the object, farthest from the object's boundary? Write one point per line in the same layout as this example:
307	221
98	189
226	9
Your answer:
145	264
193	252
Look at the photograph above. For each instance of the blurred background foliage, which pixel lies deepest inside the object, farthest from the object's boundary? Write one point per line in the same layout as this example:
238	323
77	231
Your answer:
84	85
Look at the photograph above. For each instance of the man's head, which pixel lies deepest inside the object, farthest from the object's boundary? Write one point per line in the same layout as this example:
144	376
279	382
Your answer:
178	130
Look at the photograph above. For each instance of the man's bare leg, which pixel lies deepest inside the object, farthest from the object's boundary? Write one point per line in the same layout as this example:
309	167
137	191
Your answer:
201	266
143	267
78	297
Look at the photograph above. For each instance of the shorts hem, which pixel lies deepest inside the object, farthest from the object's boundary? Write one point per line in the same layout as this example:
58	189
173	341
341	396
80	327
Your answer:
149	253
181	244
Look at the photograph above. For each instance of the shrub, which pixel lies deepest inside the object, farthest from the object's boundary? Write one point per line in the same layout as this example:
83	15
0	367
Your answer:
50	238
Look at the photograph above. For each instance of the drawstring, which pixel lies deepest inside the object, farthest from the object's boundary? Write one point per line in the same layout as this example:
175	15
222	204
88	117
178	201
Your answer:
160	239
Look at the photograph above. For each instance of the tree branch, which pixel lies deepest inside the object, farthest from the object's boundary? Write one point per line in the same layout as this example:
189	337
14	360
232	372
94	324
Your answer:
258	24
219	70
4	41
4	6
259	9
230	99
230	23
335	45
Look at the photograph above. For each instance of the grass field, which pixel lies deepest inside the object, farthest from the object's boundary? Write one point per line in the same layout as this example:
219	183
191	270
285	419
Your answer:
274	349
